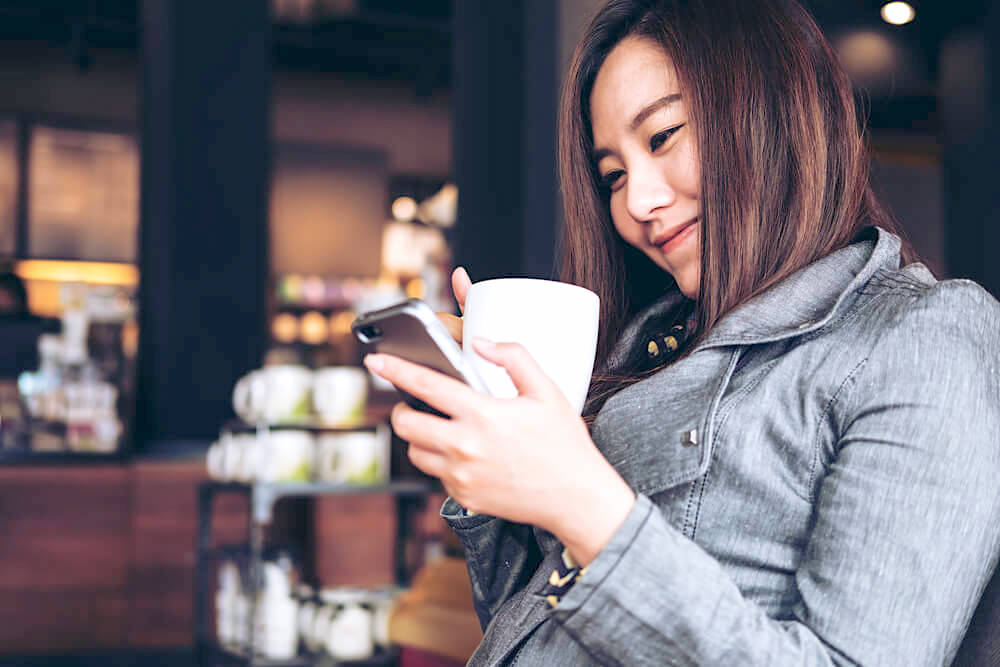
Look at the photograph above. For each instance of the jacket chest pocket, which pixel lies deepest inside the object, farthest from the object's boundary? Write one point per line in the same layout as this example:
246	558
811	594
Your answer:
658	433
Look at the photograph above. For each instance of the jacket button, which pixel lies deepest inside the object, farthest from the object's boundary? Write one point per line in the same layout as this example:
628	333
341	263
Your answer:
689	438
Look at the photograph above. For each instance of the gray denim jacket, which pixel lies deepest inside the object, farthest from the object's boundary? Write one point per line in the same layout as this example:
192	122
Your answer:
840	506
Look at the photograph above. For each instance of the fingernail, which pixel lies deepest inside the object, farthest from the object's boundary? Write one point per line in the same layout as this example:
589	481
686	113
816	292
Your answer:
374	362
484	344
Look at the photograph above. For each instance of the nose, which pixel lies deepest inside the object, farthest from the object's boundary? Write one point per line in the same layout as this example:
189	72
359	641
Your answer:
647	191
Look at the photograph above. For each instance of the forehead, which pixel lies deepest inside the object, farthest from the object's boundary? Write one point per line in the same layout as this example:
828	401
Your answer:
635	73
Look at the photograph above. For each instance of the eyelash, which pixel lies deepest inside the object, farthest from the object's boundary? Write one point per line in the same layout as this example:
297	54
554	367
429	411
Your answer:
655	142
662	137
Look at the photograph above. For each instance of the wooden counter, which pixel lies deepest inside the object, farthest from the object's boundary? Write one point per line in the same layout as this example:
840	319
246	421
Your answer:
101	557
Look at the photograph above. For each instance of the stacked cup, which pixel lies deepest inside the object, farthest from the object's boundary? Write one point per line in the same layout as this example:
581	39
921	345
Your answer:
228	602
276	618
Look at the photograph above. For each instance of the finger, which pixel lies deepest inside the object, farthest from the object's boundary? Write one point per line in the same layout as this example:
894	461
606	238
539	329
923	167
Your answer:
527	375
450	396
422	429
460	284
453	324
427	460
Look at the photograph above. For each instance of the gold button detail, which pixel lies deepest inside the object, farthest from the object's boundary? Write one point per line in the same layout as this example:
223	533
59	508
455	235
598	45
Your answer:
671	343
653	349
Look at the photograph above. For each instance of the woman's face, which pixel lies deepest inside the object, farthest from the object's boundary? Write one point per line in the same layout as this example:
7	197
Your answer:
644	149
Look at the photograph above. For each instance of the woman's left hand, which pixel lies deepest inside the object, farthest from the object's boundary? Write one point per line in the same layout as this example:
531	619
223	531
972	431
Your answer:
528	459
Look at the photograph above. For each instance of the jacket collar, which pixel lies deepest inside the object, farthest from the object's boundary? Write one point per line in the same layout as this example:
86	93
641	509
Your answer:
810	297
801	303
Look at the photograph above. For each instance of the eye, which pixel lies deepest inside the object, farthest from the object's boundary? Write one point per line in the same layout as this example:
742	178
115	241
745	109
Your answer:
661	137
609	179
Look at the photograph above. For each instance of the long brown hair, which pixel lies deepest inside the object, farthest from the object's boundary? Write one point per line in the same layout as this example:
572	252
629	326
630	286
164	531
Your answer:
784	167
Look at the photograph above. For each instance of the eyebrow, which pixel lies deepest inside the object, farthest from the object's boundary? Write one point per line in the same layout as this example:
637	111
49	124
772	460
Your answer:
643	114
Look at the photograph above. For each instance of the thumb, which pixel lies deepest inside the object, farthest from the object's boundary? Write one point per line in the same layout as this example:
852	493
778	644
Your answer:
528	376
460	284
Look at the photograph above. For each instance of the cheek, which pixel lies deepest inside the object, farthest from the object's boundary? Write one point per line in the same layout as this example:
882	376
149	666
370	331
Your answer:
627	228
688	172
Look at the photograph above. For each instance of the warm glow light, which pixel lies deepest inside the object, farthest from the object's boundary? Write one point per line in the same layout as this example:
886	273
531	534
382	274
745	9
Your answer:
404	209
340	324
285	328
416	288
313	328
898	13
94	273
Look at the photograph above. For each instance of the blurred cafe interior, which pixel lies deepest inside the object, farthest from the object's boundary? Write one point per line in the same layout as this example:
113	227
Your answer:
197	198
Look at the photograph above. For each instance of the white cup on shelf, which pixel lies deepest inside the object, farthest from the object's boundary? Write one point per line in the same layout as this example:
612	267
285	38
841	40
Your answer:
249	457
382	605
306	620
274	394
276	633
354	457
223	458
349	634
213	461
320	627
340	394
278	456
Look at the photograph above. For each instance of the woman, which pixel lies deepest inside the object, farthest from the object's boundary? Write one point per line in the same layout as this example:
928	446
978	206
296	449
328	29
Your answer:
811	477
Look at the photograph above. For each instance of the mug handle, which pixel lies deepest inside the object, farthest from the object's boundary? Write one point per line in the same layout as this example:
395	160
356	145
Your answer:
241	395
245	394
213	461
326	459
383	451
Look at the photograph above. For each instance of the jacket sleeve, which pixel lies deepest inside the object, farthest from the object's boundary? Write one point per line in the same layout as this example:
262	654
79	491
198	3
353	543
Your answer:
905	532
501	556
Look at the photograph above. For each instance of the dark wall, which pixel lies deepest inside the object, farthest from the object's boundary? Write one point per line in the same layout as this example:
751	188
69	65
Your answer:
205	181
505	95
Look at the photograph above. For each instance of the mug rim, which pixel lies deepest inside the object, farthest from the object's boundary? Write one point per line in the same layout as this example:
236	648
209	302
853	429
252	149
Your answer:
535	281
300	367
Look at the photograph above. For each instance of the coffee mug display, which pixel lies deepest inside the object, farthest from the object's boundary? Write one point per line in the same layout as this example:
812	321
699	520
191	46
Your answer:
355	457
284	456
274	394
346	629
556	322
340	394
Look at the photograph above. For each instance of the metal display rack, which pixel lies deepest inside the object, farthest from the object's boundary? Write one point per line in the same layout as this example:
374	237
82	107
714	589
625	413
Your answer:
409	495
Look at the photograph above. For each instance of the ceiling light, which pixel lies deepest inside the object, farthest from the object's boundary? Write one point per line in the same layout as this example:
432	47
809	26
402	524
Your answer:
898	13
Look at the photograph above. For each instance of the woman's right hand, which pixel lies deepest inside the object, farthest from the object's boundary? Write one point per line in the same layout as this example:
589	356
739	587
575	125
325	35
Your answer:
460	284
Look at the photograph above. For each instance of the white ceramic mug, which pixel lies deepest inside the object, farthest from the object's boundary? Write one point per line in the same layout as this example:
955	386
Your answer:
274	394
348	634
556	322
214	461
340	394
355	457
383	603
320	627
276	632
247	456
282	456
307	617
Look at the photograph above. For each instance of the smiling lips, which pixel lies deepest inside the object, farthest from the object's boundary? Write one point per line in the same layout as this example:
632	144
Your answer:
667	242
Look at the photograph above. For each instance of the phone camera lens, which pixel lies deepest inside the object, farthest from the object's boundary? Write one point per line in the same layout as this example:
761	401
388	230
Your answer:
370	333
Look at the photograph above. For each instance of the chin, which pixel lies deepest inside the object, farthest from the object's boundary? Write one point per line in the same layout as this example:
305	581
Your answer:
688	285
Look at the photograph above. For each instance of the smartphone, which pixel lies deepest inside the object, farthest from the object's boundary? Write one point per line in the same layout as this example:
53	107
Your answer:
412	331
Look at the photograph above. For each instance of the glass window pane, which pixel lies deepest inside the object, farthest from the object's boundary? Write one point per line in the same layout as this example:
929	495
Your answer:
8	188
83	199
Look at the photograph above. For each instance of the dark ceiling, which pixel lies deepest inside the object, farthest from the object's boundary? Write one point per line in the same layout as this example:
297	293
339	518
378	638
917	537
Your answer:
409	41
398	40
